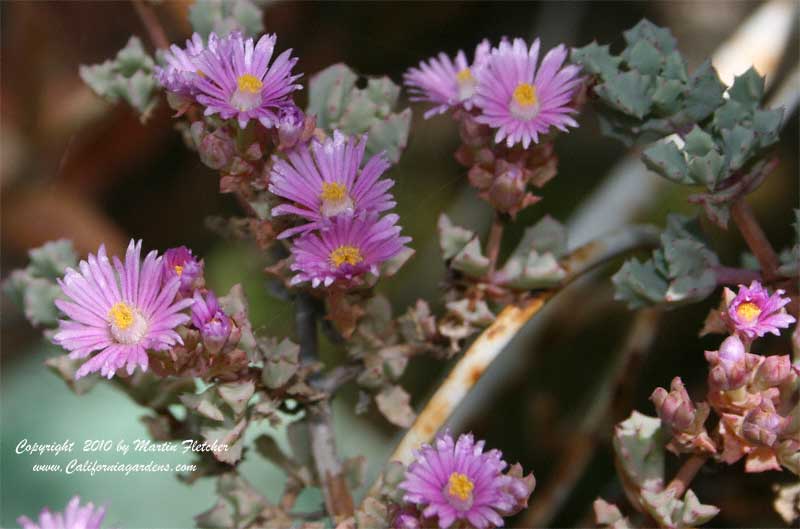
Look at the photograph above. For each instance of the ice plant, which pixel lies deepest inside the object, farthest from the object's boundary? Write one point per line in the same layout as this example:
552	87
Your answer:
349	248
458	481
118	312
754	312
238	82
324	179
74	516
181	70
522	101
446	82
179	262
207	316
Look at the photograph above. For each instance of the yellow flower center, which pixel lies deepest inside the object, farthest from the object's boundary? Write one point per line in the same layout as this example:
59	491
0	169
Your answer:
346	254
249	83
201	73
122	315
460	486
748	311
525	95
333	191
178	270
464	75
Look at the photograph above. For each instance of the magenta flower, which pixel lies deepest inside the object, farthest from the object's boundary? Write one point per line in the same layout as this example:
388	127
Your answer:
330	183
754	313
207	316
237	80
182	69
458	481
521	101
444	82
118	312
74	516
179	262
348	248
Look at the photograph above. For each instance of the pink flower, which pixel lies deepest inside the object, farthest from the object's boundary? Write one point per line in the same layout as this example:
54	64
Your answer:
117	313
444	82
73	517
325	179
458	481
522	101
754	313
346	250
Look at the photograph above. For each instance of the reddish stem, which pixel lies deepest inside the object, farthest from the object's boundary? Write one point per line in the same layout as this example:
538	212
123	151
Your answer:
735	276
151	24
493	245
686	474
754	236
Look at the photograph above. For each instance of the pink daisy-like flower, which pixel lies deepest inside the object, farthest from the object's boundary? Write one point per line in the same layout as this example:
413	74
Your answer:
330	183
74	516
754	313
444	82
237	80
118	312
349	247
182	70
521	101
459	481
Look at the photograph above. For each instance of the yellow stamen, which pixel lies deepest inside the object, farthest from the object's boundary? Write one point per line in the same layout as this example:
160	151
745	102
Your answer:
333	191
464	75
178	270
201	73
460	486
525	95
249	83
748	311
122	315
346	254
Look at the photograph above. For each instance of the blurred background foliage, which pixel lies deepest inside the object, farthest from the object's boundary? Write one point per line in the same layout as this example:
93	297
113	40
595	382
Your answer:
73	166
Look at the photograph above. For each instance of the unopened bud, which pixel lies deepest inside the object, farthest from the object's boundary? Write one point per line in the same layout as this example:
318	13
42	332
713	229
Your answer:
480	177
763	424
730	365
508	189
773	372
217	149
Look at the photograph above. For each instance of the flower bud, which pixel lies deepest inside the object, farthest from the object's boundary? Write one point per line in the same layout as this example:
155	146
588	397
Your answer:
406	518
730	366
480	177
675	408
217	149
291	125
508	189
773	372
213	324
179	262
763	424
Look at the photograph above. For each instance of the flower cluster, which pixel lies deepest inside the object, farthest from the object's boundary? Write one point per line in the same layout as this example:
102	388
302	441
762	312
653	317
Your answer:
506	87
118	311
456	481
506	103
753	395
341	235
232	77
75	516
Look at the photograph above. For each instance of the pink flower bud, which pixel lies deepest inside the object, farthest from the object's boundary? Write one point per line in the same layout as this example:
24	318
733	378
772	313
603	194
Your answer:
763	424
480	177
675	408
508	189
774	371
730	366
217	149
